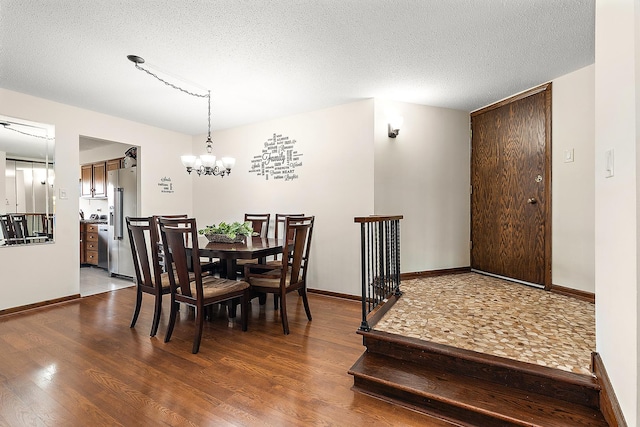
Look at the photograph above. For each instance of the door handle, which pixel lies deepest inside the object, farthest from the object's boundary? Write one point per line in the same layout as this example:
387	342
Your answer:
532	201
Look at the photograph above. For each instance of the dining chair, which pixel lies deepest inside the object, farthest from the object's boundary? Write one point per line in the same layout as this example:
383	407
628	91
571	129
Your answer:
209	264
7	229
259	223
20	228
46	224
156	221
203	291
150	279
280	227
278	234
292	272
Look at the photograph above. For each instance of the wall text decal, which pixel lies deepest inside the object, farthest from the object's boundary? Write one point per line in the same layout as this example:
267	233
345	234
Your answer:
165	184
278	159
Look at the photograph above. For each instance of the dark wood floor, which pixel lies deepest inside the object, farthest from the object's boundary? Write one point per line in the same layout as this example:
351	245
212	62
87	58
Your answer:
79	363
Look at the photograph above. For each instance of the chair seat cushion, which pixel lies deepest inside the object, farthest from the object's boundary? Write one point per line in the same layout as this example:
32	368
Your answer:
268	282
246	261
215	286
165	279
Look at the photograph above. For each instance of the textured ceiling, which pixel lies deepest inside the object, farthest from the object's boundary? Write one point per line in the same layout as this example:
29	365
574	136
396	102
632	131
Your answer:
263	59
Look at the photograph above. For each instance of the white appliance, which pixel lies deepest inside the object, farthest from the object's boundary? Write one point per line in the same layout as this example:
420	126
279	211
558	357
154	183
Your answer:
122	195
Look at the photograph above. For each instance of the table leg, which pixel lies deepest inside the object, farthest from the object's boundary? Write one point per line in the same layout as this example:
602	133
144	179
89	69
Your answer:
231	269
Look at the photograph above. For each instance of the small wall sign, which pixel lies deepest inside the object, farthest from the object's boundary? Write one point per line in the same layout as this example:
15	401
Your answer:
278	159
165	184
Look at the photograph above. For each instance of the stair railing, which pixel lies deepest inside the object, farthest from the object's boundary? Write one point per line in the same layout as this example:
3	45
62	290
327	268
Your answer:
380	256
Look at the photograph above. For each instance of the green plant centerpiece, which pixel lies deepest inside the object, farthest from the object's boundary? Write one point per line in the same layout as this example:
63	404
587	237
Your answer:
227	233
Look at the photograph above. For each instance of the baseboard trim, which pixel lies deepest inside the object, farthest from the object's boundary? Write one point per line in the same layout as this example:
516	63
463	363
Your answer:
374	316
432	273
334	294
41	304
575	293
609	406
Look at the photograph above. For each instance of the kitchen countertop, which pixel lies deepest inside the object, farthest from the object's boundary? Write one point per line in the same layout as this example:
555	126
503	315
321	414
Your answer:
93	221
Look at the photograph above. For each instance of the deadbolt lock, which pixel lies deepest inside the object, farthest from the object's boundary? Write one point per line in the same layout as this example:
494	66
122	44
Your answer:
539	178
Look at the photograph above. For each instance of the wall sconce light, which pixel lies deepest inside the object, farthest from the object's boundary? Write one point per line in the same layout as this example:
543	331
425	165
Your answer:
394	126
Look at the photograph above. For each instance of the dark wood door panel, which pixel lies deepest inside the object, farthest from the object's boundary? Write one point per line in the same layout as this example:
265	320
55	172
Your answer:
509	198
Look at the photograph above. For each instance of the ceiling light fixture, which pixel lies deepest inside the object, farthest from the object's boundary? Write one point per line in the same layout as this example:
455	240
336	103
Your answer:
206	164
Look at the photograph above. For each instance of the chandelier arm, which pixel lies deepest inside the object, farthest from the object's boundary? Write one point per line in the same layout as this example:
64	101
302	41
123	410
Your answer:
171	84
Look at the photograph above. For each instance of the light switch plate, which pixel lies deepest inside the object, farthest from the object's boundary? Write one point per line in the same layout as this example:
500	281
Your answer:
63	193
608	168
568	155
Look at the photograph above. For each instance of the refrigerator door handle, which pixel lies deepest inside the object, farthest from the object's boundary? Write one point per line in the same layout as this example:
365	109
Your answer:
117	209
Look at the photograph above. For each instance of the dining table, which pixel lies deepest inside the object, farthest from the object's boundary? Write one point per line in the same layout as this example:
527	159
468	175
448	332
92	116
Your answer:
257	248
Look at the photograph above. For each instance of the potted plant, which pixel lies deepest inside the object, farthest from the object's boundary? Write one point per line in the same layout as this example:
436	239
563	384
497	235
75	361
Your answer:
227	233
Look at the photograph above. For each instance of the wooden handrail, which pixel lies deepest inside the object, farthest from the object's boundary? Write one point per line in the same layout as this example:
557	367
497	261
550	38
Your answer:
377	218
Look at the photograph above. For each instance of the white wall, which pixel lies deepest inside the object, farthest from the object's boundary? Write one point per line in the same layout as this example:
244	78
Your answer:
335	184
424	174
616	213
58	270
3	184
572	193
113	151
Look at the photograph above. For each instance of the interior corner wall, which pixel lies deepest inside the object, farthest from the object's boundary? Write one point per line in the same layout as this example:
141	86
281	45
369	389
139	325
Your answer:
617	125
424	175
334	182
572	193
58	272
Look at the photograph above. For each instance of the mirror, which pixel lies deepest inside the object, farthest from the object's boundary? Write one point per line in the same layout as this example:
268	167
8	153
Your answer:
27	213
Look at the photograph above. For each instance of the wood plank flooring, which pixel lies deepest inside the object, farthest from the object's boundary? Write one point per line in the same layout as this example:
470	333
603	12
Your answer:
79	363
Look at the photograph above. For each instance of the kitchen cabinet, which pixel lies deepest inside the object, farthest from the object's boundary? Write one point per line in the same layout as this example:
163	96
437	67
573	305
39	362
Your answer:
114	164
93	180
82	239
89	243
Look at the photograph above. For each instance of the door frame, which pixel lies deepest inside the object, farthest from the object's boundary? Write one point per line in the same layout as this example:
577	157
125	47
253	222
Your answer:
546	89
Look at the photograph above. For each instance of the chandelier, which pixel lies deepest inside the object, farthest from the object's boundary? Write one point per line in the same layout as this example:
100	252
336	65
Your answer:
206	164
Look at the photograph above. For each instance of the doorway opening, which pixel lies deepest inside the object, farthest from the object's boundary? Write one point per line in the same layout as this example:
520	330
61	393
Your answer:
109	191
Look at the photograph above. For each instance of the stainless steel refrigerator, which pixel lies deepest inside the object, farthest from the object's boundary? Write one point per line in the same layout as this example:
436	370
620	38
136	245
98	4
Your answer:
122	194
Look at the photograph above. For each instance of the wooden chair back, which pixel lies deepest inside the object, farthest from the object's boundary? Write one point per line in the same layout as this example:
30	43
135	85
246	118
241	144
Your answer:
143	236
47	224
259	223
176	234
19	223
295	257
280	225
7	229
156	221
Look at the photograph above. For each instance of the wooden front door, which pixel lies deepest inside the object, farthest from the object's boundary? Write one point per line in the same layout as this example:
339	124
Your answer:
511	188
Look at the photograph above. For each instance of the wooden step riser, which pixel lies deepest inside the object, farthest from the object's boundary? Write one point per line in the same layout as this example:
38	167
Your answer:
449	411
585	393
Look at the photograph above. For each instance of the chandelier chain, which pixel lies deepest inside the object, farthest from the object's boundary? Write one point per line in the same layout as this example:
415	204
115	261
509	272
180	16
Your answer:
171	84
29	134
